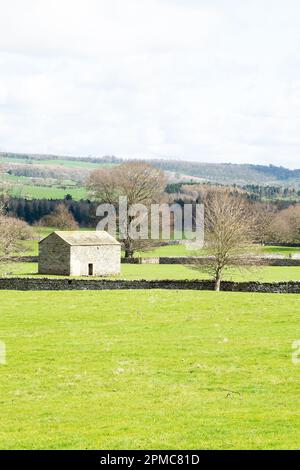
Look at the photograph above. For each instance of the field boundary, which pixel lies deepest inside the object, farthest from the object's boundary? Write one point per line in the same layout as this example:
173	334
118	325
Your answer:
184	260
203	260
46	284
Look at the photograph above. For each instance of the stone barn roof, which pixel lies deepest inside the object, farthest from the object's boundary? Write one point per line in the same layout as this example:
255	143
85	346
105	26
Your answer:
86	238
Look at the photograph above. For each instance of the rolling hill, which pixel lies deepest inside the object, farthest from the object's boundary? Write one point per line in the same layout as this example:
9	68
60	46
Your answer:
224	173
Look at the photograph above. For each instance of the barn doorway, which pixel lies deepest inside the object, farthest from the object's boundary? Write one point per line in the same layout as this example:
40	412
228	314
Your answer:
91	269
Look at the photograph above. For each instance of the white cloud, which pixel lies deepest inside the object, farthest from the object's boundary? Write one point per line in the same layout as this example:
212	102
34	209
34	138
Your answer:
203	80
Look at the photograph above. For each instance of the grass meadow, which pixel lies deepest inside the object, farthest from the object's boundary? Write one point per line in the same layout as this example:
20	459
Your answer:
156	271
47	192
24	187
169	271
31	248
149	370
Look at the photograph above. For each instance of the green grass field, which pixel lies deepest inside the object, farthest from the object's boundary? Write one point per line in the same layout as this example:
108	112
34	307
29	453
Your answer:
183	250
22	186
281	250
44	192
31	191
263	274
149	370
167	250
169	271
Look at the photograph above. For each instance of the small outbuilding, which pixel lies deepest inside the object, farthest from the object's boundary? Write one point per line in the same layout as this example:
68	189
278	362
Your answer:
79	253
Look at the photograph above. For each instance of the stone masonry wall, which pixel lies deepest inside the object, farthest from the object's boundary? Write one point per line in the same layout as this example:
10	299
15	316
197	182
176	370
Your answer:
202	260
54	256
177	260
106	260
37	284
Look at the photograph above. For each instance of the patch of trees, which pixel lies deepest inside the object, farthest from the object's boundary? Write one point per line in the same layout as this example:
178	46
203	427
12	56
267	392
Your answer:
61	218
272	192
229	172
141	184
279	172
276	221
58	172
284	227
13	231
172	188
40	158
33	210
256	192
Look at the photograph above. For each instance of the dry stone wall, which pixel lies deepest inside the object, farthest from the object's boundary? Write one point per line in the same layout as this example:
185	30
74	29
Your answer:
36	284
54	256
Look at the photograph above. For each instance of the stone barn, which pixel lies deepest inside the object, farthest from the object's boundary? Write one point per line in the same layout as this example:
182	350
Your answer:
79	253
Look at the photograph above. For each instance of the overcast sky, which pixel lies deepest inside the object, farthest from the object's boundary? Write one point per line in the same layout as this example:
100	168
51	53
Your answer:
205	80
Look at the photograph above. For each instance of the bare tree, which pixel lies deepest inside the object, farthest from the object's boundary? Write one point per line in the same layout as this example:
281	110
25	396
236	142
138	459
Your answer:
285	226
264	213
60	218
12	234
12	231
228	231
3	189
140	182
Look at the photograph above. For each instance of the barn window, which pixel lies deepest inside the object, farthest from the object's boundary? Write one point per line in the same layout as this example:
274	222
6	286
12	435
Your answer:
91	269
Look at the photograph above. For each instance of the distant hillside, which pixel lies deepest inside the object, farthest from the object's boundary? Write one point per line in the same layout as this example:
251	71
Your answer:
229	173
225	173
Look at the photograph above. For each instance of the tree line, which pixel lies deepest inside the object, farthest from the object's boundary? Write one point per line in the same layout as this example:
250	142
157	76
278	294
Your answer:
256	192
276	223
48	172
31	157
33	210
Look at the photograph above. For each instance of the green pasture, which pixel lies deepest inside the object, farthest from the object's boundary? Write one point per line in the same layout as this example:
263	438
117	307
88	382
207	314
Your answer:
181	249
31	191
56	162
175	271
149	370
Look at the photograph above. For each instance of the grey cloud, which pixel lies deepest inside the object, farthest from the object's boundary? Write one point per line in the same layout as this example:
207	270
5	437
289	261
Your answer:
204	80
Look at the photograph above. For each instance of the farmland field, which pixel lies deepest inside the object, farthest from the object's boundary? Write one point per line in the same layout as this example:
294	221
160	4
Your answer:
167	250
156	271
281	250
69	163
157	370
169	271
183	250
21	186
46	192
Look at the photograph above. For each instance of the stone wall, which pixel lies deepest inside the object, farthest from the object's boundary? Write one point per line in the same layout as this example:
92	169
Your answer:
24	259
202	260
104	258
54	256
295	261
37	284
